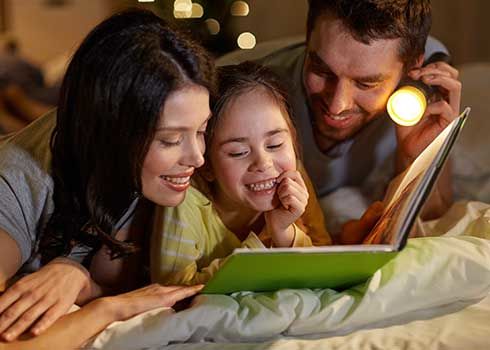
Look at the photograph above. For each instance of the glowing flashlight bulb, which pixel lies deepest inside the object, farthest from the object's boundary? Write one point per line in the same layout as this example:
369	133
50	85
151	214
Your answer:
407	105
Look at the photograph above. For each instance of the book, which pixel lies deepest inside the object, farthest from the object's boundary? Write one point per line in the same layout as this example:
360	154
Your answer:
342	266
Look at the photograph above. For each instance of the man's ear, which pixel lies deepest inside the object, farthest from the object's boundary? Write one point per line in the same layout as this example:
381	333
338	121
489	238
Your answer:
419	62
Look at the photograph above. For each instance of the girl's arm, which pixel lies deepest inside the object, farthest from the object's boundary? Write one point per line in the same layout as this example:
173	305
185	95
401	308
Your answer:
191	274
312	222
74	329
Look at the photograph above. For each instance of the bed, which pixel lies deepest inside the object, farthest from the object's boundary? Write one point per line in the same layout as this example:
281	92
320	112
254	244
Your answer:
434	295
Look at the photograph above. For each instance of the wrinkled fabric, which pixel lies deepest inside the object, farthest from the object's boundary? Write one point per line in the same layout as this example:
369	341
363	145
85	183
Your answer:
431	277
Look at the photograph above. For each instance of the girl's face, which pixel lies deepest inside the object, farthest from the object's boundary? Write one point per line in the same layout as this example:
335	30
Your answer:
251	147
178	146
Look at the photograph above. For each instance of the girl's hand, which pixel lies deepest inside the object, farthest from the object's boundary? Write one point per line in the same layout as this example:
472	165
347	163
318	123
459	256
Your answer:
293	198
127	305
42	297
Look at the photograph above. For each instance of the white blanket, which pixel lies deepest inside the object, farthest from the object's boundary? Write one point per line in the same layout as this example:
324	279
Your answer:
430	277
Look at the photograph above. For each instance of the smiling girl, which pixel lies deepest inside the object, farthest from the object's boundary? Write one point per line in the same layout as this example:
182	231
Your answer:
251	192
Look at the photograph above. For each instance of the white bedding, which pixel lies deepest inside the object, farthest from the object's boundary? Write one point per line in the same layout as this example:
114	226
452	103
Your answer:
434	295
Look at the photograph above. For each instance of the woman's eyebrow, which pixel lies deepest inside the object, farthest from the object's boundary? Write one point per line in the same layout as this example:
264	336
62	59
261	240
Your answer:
180	128
173	128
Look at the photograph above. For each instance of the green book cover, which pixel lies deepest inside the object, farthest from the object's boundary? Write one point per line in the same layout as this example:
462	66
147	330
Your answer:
340	267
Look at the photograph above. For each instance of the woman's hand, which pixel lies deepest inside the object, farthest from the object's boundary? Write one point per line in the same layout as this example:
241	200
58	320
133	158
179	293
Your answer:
293	197
130	304
42	297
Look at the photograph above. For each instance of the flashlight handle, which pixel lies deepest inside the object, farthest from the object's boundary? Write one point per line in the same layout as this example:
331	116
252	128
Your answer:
438	56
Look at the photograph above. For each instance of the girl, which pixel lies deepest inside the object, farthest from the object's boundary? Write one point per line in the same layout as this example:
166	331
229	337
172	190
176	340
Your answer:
128	133
250	192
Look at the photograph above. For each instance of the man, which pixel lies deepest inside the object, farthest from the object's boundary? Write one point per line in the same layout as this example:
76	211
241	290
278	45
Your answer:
355	55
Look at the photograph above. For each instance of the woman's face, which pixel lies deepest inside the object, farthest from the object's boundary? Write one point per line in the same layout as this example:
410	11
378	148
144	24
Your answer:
251	147
178	146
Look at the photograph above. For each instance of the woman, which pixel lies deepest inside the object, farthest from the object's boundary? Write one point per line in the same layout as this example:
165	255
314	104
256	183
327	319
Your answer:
129	133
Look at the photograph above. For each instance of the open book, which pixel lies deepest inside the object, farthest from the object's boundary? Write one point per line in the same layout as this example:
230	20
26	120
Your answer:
347	265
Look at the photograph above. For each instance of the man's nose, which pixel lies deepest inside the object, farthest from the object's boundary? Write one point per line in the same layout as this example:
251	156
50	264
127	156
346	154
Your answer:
341	98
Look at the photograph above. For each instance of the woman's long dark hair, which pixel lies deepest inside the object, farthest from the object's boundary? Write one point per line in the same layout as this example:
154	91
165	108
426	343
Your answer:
110	103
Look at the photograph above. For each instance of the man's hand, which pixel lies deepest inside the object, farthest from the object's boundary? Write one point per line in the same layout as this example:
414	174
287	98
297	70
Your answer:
354	231
293	197
412	140
42	297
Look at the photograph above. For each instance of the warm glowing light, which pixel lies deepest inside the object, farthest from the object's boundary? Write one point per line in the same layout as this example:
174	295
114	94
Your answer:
246	41
213	26
182	8
146	0
407	105
197	11
183	5
182	14
239	8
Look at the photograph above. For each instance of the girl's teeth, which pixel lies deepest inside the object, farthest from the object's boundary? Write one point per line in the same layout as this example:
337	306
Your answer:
177	180
261	186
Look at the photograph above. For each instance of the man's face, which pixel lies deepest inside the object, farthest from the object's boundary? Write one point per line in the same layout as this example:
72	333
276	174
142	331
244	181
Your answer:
347	82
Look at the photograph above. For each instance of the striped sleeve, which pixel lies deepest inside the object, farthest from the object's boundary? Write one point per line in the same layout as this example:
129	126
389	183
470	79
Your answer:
175	246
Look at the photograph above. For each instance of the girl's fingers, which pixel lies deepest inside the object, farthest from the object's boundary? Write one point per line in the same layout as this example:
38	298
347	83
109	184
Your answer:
293	204
290	188
293	175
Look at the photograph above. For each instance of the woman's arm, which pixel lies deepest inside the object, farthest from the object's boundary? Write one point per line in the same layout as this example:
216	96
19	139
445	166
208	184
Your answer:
74	329
10	259
40	298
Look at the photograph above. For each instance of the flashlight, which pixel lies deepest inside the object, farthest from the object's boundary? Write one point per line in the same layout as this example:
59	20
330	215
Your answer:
407	104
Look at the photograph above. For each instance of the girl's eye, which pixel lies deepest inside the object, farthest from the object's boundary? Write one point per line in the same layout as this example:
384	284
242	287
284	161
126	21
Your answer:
275	146
201	133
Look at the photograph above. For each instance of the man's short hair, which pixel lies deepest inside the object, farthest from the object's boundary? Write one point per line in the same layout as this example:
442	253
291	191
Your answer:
368	20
